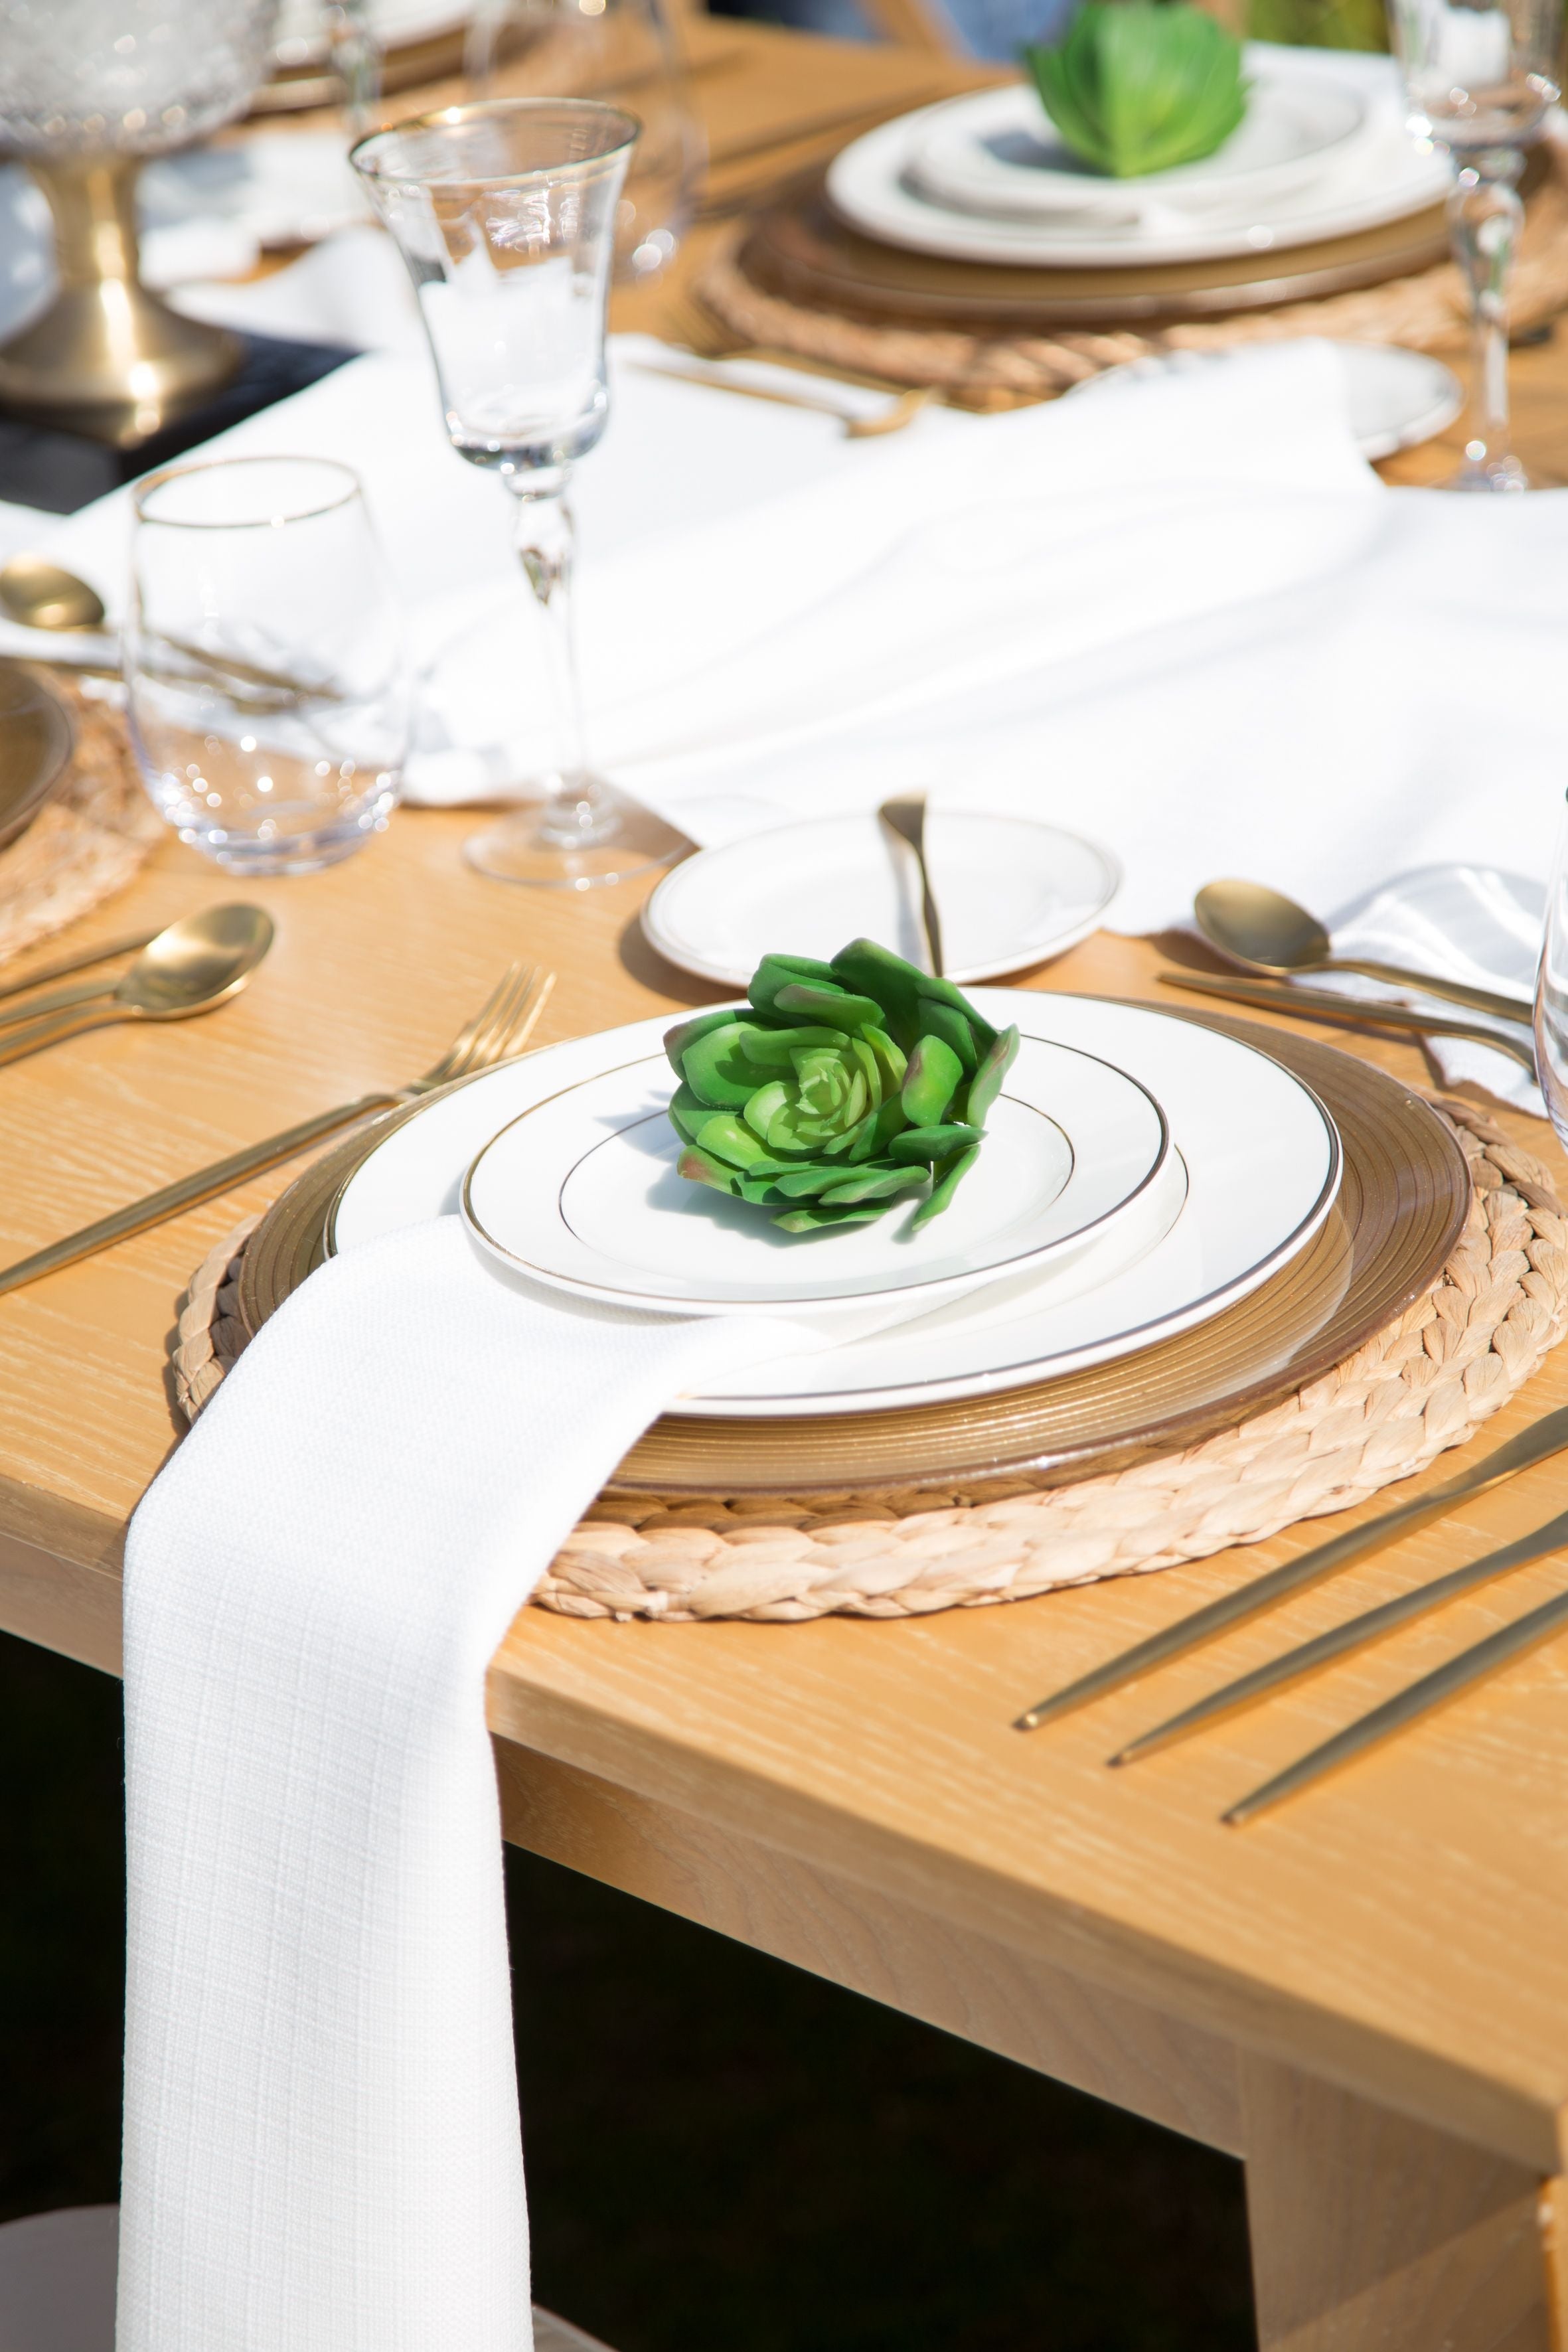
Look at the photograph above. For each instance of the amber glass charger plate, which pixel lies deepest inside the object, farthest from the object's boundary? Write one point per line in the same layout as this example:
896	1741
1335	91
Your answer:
1403	1197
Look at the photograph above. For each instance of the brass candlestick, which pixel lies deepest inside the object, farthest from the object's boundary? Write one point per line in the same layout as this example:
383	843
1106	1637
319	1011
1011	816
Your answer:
107	359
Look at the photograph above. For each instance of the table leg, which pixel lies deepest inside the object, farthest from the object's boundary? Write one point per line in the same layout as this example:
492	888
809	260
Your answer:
1372	2233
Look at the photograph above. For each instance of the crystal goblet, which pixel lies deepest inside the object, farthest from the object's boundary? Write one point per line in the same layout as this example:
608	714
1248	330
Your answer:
505	215
89	88
1479	82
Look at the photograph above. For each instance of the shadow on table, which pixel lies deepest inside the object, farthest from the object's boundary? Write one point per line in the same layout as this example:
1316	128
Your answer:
724	2153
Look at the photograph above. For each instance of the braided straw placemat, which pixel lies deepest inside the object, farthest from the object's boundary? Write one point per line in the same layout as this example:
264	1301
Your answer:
999	370
1420	1385
88	839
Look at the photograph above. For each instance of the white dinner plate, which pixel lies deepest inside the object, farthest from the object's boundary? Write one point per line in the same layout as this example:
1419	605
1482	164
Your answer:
1397	397
1010	893
582	1192
1382	176
1260	1154
996	152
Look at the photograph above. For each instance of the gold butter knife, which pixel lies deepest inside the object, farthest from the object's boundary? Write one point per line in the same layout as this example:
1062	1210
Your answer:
1542	1439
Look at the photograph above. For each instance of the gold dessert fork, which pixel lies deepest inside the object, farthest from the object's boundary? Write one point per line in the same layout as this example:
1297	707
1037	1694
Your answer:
501	1029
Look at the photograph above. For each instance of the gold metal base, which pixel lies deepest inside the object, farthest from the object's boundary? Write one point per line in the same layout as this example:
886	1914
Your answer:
108	358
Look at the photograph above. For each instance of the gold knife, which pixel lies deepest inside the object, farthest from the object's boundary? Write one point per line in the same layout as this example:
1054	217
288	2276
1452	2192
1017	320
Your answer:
1355	1634
1367	1012
1407	1707
1542	1439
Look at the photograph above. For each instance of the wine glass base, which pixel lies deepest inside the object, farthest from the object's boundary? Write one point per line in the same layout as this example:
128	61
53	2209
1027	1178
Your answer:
1496	474
515	849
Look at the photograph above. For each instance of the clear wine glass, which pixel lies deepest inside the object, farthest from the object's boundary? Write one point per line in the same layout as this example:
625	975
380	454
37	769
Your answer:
1479	80
505	214
624	53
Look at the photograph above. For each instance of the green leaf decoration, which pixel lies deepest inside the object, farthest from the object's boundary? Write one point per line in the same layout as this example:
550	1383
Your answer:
1140	86
839	1090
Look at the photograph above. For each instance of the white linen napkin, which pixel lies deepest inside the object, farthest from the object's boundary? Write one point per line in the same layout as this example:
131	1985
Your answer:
321	2139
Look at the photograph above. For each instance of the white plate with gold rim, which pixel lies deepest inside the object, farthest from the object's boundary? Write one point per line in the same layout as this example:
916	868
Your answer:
581	1192
1252	1178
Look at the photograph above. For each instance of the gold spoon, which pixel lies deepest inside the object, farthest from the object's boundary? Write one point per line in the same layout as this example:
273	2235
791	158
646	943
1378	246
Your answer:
44	596
1269	933
187	968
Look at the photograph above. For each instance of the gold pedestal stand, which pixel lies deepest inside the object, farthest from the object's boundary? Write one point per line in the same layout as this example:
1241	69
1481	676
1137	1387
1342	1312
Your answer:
107	359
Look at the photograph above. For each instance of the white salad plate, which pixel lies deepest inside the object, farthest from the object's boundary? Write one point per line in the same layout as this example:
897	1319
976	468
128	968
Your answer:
1258	1154
1381	176
1010	893
997	152
582	1192
1395	397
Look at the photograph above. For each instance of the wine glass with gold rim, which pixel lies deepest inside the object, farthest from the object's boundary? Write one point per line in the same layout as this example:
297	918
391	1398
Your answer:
505	214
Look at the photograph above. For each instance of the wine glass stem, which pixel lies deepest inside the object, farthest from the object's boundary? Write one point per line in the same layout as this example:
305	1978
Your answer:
576	809
1485	216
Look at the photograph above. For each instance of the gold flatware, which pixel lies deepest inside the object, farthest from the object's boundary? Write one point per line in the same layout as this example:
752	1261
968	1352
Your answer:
64	965
36	744
44	596
1407	1707
1261	927
1355	1634
499	1030
1356	1012
901	410
1538	1442
905	820
197	963
171	962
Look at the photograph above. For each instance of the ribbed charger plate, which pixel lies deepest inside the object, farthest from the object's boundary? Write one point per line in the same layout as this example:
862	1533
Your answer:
1405	1195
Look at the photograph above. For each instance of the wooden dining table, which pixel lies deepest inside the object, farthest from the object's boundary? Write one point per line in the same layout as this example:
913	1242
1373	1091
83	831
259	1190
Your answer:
1364	1995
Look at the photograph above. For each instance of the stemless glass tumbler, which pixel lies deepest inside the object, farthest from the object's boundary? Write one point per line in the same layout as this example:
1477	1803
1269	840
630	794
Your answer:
505	215
1479	80
263	664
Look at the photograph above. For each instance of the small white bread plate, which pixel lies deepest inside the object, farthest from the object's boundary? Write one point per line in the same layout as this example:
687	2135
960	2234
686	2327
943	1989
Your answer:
1259	1155
1395	397
1010	893
997	152
582	1192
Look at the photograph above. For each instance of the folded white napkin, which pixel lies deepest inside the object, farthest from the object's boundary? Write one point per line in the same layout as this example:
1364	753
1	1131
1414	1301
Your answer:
321	2141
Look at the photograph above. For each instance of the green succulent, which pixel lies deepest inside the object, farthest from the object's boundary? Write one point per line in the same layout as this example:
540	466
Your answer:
846	1088
1140	86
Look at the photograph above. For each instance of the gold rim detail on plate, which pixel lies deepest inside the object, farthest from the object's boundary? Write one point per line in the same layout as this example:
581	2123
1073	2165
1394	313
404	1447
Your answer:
1404	1199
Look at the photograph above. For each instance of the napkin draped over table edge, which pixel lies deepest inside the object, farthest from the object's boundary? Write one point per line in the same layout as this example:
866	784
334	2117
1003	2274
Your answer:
322	2137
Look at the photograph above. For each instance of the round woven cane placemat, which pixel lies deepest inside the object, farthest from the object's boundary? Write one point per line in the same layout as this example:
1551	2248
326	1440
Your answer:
88	839
1421	1383
800	281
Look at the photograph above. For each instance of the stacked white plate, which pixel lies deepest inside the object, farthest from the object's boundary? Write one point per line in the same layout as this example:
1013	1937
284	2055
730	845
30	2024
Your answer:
1141	1175
1323	152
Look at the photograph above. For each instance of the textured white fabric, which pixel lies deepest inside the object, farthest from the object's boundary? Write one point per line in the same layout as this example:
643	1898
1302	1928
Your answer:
321	2140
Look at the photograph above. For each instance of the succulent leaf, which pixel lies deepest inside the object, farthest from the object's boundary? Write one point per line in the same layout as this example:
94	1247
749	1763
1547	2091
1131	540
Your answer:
950	1175
929	1143
1140	86
987	1083
930	1082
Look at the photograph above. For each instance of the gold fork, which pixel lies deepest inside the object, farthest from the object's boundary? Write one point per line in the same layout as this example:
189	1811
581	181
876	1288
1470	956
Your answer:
497	1031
